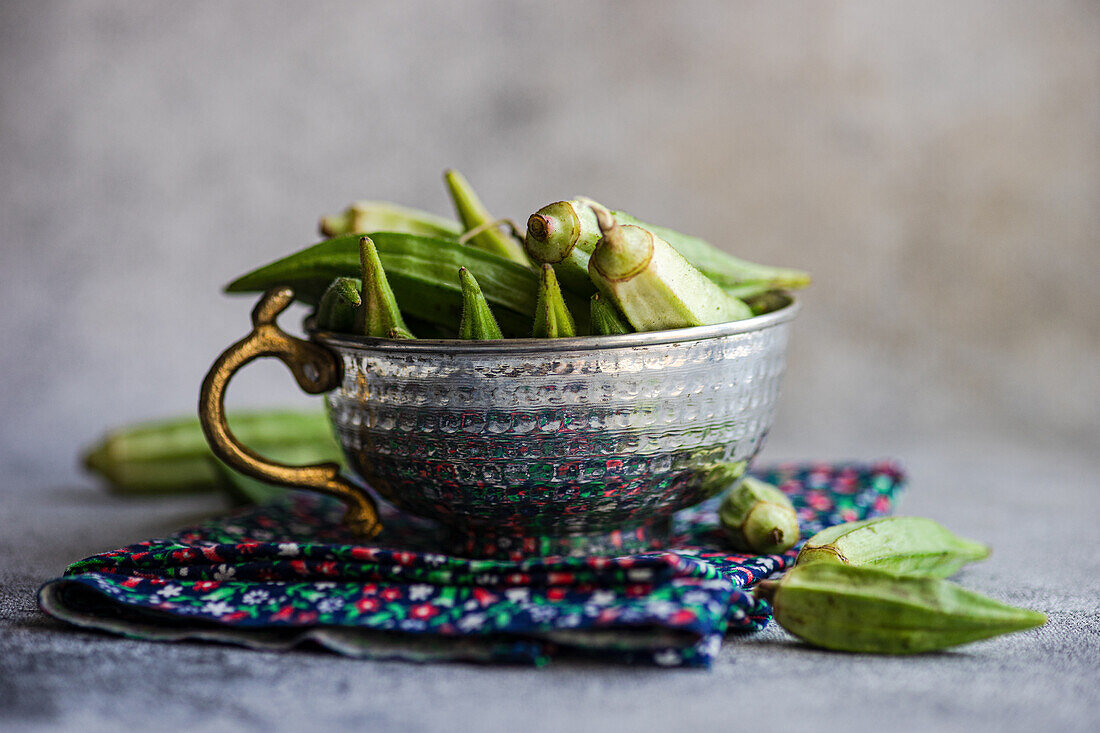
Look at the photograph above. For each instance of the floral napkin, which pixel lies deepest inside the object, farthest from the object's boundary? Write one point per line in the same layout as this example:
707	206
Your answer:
284	574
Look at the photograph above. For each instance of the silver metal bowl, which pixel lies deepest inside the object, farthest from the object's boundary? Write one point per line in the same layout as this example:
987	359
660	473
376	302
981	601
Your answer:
579	445
525	447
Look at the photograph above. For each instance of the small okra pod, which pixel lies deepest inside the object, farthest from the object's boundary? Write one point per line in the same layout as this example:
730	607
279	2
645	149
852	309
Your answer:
606	320
474	215
906	545
564	234
758	517
652	284
856	609
378	315
552	317
477	321
339	304
367	217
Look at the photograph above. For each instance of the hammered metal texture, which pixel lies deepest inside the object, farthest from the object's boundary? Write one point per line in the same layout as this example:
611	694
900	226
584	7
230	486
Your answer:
548	452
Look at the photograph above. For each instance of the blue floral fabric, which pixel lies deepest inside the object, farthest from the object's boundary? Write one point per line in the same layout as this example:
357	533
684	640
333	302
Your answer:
281	574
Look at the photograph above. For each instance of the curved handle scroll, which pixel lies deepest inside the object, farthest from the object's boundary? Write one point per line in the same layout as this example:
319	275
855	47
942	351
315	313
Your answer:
317	370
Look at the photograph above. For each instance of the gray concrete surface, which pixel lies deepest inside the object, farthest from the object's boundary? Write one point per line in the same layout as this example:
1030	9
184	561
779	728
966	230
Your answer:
936	165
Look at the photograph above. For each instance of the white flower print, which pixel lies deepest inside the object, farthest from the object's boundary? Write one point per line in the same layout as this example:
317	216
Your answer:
435	559
471	622
639	574
696	597
324	585
569	621
543	613
517	595
169	591
661	608
420	591
288	549
602	598
255	596
224	572
328	605
217	608
413	624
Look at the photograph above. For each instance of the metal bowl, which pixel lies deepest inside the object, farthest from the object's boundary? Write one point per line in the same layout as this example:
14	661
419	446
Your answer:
569	446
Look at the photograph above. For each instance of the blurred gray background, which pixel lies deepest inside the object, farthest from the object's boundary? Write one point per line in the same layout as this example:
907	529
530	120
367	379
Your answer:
936	165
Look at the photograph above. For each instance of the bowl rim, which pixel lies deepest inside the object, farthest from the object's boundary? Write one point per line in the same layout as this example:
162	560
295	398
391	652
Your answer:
575	343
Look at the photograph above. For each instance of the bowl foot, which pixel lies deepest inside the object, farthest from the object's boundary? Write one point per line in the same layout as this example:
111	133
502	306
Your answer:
484	542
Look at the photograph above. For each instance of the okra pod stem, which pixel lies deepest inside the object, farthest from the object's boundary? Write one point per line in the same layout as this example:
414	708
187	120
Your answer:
477	321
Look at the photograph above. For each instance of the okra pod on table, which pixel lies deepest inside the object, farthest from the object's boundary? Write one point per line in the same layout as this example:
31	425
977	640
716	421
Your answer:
167	456
758	517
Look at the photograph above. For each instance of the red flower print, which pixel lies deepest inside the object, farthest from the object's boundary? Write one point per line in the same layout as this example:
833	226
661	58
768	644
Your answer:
363	553
299	566
519	579
423	611
683	616
555	594
131	582
404	558
483	596
283	614
237	616
370	589
559	578
306	617
391	594
637	589
206	585
607	615
367	605
183	555
819	501
327	568
211	553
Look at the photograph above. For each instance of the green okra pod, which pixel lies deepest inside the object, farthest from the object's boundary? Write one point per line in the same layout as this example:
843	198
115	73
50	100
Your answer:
907	545
552	317
652	284
565	234
421	272
477	321
368	217
475	216
758	517
856	609
172	456
378	315
606	319
339	305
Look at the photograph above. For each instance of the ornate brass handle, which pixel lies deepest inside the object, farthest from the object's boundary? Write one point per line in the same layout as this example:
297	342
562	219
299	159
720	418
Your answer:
317	370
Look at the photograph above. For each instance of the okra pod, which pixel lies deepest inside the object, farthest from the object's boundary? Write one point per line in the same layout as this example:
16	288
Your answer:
907	545
855	609
652	284
475	216
421	273
606	319
477	321
368	217
378	315
758	517
565	234
339	305
552	317
169	456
